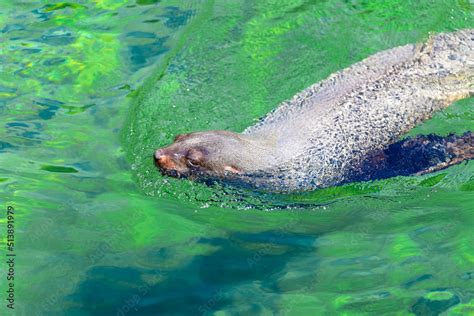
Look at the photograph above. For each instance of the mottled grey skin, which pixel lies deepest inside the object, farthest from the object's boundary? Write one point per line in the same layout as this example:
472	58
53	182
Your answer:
315	139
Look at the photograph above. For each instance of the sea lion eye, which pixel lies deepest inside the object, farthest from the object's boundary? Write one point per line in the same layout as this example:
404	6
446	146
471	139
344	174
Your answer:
192	163
194	157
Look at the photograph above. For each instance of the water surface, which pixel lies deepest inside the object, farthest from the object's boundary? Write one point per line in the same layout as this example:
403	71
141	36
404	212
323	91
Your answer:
89	89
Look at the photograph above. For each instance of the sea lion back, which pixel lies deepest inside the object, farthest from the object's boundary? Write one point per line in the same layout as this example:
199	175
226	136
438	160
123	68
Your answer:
445	52
320	96
331	126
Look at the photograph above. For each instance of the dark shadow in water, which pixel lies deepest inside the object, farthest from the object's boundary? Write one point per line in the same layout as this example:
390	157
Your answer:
204	285
421	278
139	54
25	134
140	34
4	146
175	17
13	27
41	15
50	107
427	307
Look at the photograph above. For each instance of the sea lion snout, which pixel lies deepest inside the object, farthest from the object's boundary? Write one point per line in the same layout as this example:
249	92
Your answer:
201	155
163	160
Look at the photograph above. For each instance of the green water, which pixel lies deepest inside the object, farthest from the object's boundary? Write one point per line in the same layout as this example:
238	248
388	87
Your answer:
89	89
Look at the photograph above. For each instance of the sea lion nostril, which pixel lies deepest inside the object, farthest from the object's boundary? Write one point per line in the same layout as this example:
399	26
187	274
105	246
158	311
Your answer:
163	160
158	153
159	159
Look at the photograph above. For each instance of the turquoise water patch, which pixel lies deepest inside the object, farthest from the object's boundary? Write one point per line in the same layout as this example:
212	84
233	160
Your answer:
88	91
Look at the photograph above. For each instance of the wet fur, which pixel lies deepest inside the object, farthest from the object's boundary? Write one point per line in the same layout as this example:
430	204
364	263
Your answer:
345	128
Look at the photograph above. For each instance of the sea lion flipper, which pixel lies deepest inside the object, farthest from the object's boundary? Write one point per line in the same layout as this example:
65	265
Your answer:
415	156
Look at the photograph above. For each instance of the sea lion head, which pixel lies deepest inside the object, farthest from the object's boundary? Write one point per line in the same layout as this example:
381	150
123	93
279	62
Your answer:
201	154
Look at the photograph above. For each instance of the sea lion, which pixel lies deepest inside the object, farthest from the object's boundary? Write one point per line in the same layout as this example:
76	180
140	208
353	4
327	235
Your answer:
344	128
